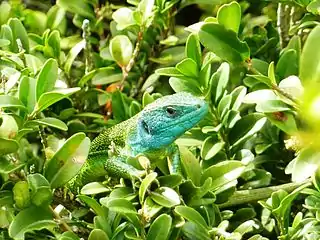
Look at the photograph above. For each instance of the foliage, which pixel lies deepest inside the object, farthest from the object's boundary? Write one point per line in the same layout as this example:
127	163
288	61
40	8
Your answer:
72	68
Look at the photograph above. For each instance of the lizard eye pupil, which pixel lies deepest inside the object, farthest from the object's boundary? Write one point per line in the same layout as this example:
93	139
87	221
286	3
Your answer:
171	111
145	127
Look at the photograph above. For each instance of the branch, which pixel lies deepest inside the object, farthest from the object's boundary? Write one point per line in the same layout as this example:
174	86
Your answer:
65	226
126	69
254	195
283	23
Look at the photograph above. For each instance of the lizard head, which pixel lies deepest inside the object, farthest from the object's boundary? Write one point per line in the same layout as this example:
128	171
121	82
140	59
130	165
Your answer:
161	122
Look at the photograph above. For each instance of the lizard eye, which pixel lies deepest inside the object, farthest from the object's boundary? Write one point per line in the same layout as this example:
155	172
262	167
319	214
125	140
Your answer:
145	127
171	111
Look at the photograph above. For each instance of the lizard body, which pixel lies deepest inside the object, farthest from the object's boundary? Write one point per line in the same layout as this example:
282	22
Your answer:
151	132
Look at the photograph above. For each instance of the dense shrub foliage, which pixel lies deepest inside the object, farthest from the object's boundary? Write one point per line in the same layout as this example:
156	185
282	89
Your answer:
71	68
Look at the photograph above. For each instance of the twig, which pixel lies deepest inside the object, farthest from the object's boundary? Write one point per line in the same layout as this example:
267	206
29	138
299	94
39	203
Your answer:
65	226
283	23
126	69
254	195
273	86
87	49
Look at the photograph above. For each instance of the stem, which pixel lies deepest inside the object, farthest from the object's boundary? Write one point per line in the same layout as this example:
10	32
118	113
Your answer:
283	23
43	141
254	195
127	69
65	226
273	86
87	49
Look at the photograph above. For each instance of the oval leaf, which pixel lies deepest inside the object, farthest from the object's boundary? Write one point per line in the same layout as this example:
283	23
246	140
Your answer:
121	49
224	43
68	160
33	218
160	228
47	77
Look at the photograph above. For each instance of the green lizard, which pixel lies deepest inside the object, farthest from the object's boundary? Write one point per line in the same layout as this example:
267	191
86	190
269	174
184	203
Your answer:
151	132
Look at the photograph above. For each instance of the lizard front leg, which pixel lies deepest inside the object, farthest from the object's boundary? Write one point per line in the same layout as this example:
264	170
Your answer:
174	159
117	166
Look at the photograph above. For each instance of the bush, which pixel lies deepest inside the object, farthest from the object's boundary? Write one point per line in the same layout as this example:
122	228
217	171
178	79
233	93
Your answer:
73	68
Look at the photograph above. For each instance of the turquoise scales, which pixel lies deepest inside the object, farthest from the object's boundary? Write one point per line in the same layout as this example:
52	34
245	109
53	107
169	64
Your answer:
151	132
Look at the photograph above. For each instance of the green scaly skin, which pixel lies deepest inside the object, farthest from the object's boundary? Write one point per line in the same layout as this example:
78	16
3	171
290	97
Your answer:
151	132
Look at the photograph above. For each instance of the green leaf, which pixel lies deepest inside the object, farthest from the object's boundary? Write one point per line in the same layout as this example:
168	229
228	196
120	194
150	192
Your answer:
224	105
81	7
193	49
191	215
170	56
223	173
166	197
292	85
68	236
219	81
8	126
246	127
33	218
49	98
19	32
7	101
7	166
288	64
107	76
305	164
194	231
6	33
184	85
160	228
224	43
124	18
94	188
263	79
52	45
8	146
188	67
27	94
33	63
260	96
169	71
41	194
309	71
145	185
190	165
229	15
121	49
68	160
56	18
50	122
210	148
73	53
4	43
91	74
120	206
98	234
286	122
146	7
238	95
92	203
313	7
272	106
21	194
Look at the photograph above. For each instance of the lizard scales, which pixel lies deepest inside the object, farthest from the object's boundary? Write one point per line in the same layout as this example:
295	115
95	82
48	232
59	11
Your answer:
151	132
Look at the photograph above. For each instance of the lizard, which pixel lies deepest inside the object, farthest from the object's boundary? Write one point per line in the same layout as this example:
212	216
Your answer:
151	132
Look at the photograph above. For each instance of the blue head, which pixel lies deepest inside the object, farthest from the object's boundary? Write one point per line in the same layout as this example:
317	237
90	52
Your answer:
160	123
